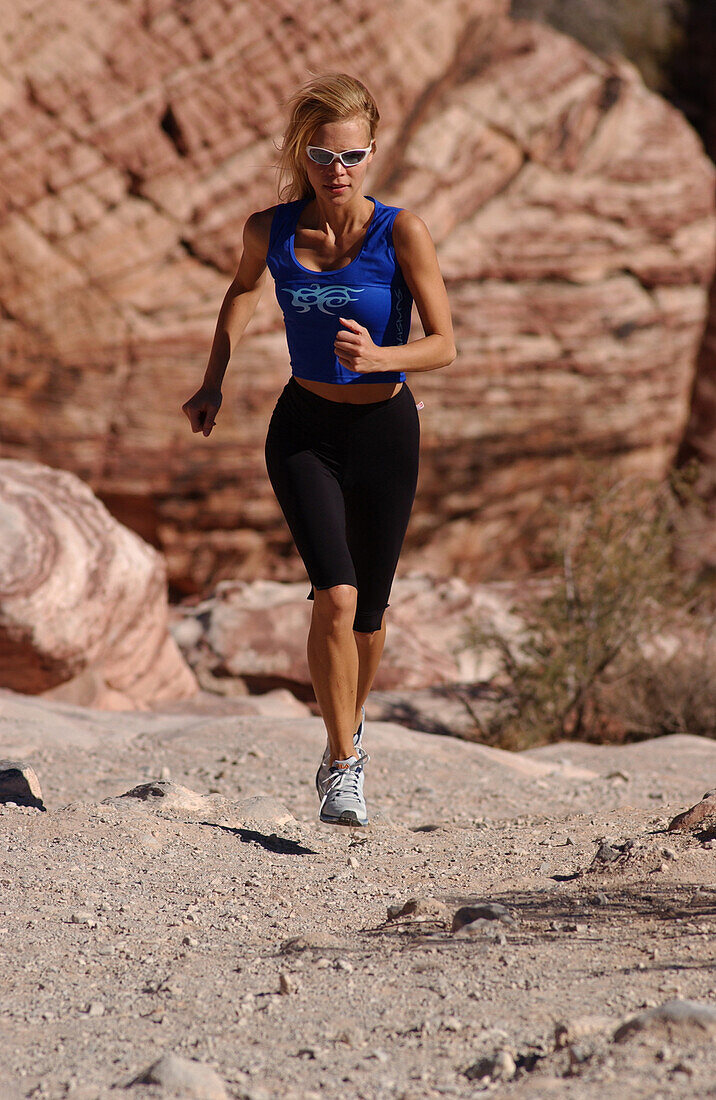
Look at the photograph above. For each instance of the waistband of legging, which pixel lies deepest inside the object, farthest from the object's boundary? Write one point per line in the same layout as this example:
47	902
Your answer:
325	403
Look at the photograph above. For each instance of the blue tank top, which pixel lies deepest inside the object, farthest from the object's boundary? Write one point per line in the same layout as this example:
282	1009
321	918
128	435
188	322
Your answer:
371	290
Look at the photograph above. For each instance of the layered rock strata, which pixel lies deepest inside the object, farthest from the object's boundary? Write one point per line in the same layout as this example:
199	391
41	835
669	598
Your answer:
79	592
572	209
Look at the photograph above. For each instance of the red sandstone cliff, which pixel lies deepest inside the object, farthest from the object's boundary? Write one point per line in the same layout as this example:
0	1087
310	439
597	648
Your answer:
573	211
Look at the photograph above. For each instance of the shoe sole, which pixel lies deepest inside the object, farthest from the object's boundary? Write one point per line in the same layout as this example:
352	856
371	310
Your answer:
348	817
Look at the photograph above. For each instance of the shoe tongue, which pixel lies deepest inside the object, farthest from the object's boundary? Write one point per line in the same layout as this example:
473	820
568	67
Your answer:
344	765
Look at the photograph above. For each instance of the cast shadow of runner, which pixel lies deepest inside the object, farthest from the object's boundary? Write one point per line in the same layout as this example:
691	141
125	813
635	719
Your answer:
269	842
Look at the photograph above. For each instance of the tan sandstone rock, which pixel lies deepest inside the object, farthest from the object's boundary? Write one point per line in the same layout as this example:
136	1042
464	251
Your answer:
77	592
19	784
183	1077
703	811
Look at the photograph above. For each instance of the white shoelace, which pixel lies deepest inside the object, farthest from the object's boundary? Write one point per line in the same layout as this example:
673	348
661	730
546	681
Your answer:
347	782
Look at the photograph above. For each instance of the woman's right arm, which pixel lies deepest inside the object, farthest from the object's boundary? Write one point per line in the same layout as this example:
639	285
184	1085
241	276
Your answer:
236	311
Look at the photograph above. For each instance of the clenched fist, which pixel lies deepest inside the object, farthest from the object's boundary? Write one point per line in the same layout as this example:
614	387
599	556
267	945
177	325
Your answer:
355	349
202	407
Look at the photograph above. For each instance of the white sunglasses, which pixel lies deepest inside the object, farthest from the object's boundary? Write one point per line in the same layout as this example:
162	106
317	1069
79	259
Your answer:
348	158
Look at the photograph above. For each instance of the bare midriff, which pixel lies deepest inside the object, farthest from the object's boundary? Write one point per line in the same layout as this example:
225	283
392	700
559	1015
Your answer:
355	393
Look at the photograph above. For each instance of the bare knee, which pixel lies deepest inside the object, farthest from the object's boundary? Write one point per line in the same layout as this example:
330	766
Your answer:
335	607
366	637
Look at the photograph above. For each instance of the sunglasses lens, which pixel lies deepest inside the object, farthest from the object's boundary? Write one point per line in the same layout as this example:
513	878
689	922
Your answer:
320	156
354	156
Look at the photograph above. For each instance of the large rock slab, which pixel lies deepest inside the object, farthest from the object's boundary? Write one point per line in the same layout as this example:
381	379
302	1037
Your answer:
572	209
78	591
257	631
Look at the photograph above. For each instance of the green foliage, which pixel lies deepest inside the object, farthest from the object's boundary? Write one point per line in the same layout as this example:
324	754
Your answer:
590	625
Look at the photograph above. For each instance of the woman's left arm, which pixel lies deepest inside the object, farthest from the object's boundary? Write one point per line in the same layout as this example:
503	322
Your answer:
415	252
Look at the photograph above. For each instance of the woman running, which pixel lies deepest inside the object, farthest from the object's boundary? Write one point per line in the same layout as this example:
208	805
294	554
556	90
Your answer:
343	440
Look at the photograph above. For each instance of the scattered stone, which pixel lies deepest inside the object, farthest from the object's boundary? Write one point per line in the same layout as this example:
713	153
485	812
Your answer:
482	928
346	1031
180	1075
150	843
583	1027
19	785
499	1066
95	1008
579	1053
608	852
490	911
83	916
696	814
419	909
168	795
286	983
672	1020
297	944
600	898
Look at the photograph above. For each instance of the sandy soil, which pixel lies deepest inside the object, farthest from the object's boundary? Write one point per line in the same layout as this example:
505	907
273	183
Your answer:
242	933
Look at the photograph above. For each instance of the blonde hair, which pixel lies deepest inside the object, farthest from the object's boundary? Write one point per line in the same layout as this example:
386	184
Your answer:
332	97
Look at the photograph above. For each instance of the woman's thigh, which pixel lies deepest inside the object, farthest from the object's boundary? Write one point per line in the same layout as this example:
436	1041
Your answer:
379	487
308	490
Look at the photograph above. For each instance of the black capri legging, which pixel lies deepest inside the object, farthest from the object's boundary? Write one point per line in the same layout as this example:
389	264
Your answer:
345	476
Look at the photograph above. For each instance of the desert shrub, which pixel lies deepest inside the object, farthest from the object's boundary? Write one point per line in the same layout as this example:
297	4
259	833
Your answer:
590	626
677	695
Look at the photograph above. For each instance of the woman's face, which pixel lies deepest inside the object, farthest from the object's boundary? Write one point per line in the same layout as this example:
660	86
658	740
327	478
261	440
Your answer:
335	182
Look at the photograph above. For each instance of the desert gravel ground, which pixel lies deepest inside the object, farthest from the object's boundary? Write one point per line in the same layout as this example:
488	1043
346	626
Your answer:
231	928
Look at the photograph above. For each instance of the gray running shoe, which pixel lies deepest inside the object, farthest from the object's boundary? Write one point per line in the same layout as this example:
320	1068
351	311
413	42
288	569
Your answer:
343	802
324	768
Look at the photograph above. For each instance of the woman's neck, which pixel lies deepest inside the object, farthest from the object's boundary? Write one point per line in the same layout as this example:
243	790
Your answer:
341	221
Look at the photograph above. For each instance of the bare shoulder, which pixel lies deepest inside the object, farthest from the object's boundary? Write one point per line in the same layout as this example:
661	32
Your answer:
257	230
410	233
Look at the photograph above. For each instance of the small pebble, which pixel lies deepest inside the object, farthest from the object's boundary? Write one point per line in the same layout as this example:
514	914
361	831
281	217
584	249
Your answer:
286	983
